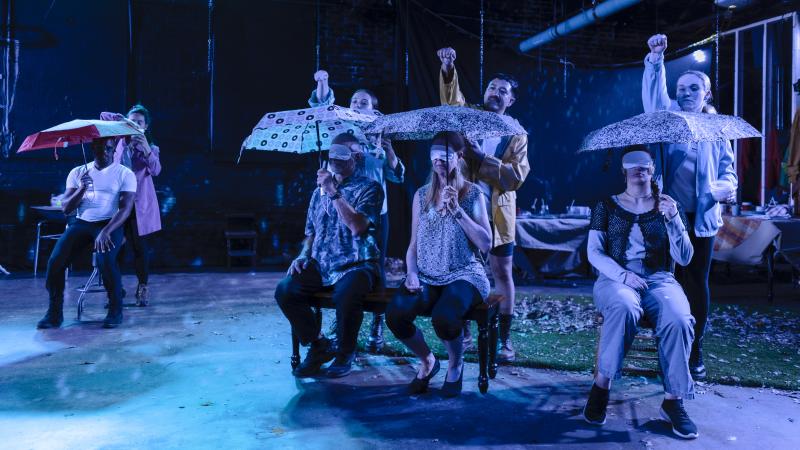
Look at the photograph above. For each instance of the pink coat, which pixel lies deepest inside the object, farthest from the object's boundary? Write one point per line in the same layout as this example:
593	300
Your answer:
148	214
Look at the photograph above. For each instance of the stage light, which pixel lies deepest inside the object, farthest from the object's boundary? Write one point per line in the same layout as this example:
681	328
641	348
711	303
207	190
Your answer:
699	56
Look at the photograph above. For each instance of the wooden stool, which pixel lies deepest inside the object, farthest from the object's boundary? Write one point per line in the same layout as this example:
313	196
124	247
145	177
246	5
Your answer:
643	349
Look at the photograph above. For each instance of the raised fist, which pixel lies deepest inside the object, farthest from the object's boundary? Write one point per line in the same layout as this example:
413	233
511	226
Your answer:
447	56
657	43
320	75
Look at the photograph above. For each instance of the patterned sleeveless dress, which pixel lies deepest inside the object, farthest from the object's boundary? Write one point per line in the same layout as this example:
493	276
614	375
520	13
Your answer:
444	252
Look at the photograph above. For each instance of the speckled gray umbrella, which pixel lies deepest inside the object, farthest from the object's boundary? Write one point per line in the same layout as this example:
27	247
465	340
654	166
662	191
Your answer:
423	124
668	127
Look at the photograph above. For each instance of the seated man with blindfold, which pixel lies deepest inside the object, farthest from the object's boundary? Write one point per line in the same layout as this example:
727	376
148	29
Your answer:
340	254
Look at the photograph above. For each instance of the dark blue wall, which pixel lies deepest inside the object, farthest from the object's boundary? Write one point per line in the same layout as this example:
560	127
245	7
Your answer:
82	62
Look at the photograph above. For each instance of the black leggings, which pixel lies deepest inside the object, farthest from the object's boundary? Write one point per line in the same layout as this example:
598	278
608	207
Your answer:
694	279
447	306
140	248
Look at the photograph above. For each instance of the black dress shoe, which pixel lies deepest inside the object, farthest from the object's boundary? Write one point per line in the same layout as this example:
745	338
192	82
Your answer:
50	320
452	389
318	354
420	385
341	366
112	320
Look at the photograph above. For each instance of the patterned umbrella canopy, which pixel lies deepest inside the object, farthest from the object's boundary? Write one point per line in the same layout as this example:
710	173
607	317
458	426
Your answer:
423	124
295	131
668	126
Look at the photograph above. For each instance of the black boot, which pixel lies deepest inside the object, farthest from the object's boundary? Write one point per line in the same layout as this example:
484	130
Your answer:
114	316
506	352
54	316
696	366
375	342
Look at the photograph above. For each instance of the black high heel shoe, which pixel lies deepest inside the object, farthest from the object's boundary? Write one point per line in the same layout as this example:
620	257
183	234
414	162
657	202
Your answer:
452	389
420	385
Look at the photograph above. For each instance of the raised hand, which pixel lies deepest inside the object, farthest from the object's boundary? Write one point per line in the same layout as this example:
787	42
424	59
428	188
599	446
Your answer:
448	58
657	43
321	76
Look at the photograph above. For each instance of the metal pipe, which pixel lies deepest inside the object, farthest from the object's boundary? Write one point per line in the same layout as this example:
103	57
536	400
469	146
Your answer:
576	22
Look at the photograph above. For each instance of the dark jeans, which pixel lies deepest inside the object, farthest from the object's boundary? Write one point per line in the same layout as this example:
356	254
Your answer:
383	242
447	306
140	248
293	294
694	279
79	237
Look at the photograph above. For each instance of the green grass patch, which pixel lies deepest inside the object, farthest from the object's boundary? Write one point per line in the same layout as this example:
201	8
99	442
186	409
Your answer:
745	345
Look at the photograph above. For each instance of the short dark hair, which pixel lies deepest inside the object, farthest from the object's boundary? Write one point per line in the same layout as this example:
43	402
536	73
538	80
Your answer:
371	94
140	109
344	138
509	78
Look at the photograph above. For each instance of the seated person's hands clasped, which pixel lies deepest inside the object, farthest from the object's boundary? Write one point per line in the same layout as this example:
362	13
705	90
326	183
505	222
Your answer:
450	200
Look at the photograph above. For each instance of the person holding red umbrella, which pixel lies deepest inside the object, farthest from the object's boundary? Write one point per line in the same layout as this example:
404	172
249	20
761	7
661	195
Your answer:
102	192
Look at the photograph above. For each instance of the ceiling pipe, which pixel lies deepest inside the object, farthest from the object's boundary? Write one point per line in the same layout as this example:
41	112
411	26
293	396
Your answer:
576	22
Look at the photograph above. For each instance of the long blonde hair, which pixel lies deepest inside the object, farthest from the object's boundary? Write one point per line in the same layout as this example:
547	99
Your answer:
456	142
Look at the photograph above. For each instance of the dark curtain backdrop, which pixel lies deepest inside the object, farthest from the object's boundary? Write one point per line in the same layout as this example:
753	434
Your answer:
76	60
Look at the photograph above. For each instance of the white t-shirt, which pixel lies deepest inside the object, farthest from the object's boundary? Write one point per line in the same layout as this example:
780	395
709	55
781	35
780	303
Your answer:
101	200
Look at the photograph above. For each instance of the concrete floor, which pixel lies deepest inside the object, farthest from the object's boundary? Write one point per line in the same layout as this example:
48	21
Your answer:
207	366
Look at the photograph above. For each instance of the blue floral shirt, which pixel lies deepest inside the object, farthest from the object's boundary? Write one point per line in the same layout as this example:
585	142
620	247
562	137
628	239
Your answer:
335	248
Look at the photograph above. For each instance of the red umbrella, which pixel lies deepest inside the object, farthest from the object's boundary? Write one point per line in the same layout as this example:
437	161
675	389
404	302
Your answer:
77	132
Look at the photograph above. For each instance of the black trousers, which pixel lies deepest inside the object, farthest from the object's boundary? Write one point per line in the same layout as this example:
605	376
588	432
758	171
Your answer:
79	238
383	242
139	246
293	294
694	279
447	306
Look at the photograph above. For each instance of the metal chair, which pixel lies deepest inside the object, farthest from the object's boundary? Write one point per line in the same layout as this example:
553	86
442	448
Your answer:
40	237
87	287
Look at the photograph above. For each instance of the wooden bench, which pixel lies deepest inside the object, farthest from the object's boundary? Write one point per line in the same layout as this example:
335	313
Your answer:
484	314
644	348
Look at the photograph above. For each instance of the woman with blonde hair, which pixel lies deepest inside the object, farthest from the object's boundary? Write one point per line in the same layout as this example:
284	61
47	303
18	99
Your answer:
699	176
445	269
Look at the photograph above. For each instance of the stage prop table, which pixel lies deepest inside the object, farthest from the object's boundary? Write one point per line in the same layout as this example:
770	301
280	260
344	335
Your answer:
756	239
552	245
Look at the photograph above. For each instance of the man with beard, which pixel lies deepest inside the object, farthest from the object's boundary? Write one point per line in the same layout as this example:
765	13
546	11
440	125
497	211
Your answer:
499	167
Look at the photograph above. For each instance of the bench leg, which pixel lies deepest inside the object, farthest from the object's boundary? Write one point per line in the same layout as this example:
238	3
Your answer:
295	351
483	355
493	343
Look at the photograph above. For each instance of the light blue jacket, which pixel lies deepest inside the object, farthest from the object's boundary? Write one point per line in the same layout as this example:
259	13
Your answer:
375	166
714	159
